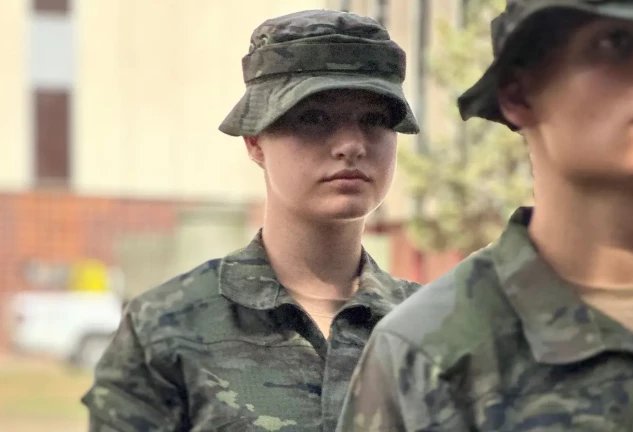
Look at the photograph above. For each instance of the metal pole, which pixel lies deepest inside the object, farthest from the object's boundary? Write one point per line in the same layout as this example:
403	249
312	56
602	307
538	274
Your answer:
421	140
423	30
421	144
461	137
382	15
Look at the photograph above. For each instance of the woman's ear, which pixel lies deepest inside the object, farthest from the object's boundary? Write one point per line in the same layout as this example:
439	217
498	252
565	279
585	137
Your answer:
513	97
254	150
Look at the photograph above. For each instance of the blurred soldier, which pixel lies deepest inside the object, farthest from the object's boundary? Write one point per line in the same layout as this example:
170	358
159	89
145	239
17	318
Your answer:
534	332
267	338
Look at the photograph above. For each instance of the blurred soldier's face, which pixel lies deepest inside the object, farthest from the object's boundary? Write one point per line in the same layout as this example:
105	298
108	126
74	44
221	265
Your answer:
576	107
331	158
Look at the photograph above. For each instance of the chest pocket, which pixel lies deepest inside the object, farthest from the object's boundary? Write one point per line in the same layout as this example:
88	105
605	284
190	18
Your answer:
585	410
239	386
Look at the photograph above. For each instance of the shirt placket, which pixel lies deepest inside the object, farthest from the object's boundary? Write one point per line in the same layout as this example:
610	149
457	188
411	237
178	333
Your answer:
344	349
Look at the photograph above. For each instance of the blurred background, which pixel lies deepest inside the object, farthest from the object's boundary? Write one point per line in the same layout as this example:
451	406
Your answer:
114	177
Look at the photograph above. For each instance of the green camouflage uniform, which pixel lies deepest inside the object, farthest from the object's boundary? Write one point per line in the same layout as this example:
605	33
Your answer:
500	343
224	347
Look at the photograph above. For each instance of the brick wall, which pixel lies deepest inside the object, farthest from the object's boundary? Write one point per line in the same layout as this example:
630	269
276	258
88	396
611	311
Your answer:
62	228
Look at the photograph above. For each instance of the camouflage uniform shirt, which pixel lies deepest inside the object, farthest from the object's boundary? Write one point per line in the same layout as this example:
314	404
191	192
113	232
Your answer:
225	348
500	343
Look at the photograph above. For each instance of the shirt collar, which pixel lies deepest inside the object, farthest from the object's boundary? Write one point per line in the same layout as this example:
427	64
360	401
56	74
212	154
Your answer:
558	326
246	277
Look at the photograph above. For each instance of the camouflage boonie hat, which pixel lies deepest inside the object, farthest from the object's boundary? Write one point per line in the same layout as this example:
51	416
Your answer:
297	55
507	32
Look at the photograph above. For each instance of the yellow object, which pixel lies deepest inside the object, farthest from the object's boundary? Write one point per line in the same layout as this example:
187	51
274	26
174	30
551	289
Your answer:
88	275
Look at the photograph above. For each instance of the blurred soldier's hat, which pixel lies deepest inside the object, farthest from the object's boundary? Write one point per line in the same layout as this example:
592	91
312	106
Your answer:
509	32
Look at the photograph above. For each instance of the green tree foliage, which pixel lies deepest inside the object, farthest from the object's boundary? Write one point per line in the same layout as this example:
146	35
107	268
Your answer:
469	181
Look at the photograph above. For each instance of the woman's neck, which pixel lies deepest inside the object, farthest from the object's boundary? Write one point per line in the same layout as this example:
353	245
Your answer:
318	260
587	236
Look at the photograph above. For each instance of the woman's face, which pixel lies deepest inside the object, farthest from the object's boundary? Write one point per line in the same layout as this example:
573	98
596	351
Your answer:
331	158
578	107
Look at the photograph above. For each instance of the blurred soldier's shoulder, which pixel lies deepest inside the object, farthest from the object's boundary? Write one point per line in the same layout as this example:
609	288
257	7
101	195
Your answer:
454	314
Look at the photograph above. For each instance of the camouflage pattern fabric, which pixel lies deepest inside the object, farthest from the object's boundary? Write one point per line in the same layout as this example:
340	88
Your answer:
510	31
500	343
297	55
225	348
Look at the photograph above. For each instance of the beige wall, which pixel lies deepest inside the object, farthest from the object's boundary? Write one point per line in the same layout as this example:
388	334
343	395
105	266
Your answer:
155	79
15	157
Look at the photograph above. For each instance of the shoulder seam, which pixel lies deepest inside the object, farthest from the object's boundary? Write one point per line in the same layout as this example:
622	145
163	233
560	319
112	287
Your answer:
409	344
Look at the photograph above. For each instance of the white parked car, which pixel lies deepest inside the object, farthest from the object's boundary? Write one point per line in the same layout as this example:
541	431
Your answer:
73	326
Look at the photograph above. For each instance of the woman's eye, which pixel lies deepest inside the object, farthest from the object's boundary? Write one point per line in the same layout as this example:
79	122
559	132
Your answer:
313	117
619	42
376	119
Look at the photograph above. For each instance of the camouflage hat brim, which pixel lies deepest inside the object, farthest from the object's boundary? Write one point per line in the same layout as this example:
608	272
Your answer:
265	102
481	100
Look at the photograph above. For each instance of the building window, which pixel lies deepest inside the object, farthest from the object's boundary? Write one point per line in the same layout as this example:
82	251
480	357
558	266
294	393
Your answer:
51	82
51	6
52	54
52	133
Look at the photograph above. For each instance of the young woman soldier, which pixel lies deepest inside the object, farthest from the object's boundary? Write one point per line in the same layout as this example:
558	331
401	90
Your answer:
266	338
